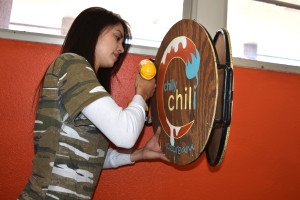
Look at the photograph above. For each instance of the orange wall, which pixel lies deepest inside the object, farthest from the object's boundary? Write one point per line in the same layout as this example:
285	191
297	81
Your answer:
262	159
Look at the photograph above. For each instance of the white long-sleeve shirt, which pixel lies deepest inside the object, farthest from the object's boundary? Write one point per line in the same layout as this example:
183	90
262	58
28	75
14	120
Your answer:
121	126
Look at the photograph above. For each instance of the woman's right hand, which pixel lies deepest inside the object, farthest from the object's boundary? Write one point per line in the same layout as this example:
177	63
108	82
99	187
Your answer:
145	88
150	151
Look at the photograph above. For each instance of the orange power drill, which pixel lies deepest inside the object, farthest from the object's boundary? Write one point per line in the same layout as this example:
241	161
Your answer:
147	71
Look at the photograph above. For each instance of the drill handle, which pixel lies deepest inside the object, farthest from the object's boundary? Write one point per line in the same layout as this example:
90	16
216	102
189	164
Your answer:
148	119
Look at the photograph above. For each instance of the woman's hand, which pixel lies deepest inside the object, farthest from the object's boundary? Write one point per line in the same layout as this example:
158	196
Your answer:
145	88
150	151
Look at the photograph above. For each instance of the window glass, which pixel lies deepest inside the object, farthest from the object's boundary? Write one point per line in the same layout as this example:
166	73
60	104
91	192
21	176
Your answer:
149	19
264	31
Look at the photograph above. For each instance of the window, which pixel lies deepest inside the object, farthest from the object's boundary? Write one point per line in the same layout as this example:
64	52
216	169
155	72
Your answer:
261	31
266	31
149	22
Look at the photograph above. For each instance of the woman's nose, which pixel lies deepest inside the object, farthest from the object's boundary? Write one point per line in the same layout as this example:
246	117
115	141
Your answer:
120	48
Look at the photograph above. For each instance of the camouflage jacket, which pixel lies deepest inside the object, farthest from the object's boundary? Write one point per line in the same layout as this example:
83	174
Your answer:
69	150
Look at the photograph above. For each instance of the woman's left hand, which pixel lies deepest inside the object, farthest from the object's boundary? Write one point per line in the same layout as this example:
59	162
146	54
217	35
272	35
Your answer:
150	151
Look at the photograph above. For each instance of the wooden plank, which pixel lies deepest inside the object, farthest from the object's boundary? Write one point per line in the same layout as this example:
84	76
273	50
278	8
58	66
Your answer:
217	144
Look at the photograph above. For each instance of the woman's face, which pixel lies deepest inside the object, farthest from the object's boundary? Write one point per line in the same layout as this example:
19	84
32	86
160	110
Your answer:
109	46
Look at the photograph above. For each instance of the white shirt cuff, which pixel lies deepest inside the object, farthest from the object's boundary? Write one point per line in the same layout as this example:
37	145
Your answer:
139	100
117	158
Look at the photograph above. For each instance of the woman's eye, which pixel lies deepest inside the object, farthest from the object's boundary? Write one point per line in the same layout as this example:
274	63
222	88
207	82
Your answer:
118	38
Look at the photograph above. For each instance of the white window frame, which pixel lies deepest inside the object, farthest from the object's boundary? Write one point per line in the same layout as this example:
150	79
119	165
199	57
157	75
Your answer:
211	14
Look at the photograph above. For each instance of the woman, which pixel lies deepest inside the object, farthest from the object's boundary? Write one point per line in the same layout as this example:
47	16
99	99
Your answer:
75	103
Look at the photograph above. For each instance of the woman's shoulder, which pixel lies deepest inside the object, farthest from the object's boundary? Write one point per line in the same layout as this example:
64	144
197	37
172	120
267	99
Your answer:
67	61
70	56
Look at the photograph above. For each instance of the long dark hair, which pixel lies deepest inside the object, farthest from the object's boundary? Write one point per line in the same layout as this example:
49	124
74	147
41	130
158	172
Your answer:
83	35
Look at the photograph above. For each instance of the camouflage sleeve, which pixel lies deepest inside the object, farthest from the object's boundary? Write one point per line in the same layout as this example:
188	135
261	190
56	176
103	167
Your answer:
78	85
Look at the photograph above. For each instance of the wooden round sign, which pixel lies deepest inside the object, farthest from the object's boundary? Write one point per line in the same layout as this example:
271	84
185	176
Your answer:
217	144
184	104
